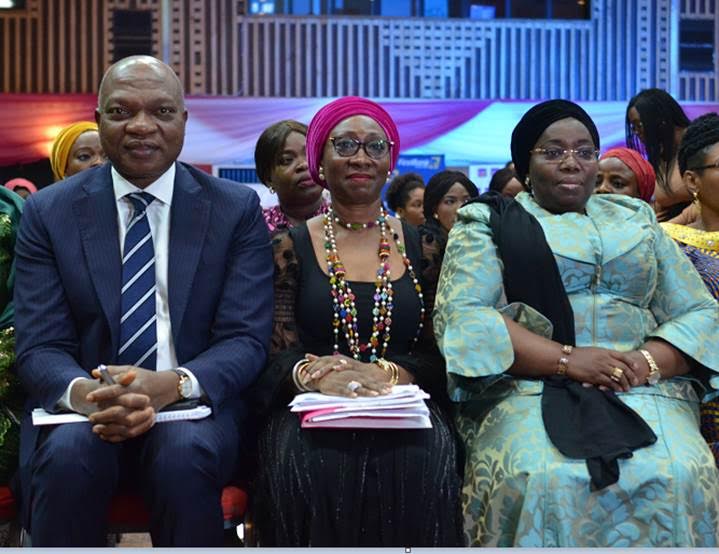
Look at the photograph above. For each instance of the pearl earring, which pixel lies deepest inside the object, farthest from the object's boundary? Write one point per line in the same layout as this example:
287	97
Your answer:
321	174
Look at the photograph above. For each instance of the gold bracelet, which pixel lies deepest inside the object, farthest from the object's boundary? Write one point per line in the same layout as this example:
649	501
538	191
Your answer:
563	362
391	368
298	368
654	374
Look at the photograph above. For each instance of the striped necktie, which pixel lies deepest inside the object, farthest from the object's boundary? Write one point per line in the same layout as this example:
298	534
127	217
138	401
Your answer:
138	333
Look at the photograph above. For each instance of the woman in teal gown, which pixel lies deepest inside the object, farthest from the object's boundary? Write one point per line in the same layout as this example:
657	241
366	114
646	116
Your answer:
629	288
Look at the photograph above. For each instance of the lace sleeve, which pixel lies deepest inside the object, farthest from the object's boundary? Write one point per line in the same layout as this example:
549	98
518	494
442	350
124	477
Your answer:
284	331
273	388
431	263
425	362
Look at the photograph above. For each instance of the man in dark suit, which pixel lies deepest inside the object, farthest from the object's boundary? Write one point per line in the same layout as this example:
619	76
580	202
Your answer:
164	274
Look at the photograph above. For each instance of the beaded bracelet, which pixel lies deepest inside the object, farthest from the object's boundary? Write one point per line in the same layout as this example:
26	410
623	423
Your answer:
391	368
563	362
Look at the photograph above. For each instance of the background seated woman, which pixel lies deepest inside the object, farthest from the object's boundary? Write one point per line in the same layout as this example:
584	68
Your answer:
76	147
405	197
281	162
655	123
698	161
625	171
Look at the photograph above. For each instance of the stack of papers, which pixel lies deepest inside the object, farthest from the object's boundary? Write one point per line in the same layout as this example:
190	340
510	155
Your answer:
403	408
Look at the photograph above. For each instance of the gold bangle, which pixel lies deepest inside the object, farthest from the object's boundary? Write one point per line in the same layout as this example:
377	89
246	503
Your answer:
391	368
298	368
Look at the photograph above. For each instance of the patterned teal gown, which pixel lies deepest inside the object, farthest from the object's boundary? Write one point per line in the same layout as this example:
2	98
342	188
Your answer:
626	281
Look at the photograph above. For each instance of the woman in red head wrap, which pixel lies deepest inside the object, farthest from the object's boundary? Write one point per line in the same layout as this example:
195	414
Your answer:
625	171
350	321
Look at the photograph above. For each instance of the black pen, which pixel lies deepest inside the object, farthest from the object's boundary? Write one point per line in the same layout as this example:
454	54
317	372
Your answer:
105	376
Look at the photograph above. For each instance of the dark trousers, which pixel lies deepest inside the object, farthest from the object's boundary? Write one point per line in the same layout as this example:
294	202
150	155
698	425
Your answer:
179	467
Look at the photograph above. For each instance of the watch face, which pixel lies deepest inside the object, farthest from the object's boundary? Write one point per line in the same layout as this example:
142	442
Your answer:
185	385
654	377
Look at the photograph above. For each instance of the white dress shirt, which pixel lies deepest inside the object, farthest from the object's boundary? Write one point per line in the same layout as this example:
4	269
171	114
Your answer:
158	217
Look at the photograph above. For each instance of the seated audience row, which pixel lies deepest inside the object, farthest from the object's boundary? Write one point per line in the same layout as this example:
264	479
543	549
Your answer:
564	338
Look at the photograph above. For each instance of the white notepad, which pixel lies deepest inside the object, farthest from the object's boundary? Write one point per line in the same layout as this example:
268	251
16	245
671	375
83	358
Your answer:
41	417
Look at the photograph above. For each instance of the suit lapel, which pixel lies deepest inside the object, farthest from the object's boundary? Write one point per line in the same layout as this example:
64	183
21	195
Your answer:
189	219
96	214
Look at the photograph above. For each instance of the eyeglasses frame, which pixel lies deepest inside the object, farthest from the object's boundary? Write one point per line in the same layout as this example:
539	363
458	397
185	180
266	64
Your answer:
362	145
565	153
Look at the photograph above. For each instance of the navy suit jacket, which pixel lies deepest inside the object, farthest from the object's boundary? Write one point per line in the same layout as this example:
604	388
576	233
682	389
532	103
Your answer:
67	289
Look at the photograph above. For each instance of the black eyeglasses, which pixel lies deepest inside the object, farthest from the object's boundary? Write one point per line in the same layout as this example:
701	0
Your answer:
348	146
699	168
556	155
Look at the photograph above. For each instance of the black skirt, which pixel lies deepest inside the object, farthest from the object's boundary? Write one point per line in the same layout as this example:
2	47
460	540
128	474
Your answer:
358	488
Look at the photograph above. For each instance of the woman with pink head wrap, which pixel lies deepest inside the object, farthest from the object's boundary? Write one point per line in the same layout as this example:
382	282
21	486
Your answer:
21	187
351	321
625	171
332	114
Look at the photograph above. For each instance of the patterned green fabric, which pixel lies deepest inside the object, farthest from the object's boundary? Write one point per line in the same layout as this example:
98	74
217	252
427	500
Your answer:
10	393
626	281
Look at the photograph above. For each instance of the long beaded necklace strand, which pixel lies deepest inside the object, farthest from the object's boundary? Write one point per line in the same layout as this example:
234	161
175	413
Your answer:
343	299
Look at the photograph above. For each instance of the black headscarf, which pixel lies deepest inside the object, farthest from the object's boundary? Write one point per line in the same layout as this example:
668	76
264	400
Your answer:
534	123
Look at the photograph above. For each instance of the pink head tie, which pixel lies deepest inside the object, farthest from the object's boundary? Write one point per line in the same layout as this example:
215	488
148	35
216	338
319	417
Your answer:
331	115
19	182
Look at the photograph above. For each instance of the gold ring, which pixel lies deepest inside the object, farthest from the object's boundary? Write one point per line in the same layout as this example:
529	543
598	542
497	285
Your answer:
617	373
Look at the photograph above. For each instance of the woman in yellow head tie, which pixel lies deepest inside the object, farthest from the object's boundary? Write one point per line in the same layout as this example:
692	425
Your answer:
75	148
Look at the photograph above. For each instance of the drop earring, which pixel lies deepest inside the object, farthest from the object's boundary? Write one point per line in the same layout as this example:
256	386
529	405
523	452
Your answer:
321	174
271	189
697	203
527	185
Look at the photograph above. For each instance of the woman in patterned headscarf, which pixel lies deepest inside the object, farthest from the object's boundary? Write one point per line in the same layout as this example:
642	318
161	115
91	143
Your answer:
75	148
572	326
344	327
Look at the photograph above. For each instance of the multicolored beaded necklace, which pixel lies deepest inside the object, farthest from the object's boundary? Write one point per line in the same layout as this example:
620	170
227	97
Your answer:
343	299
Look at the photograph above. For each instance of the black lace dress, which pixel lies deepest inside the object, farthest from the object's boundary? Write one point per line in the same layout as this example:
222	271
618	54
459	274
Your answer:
351	487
